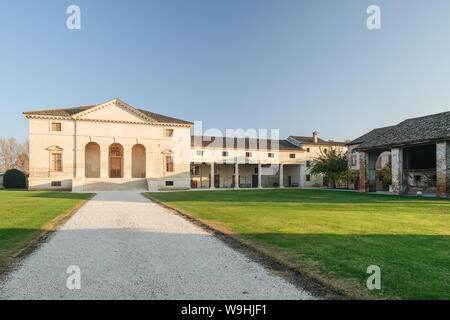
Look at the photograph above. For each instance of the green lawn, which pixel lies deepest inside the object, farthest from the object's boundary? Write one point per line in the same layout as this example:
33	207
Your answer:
337	235
24	214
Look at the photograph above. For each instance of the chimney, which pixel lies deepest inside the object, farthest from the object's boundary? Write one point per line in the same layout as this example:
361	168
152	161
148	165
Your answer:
316	136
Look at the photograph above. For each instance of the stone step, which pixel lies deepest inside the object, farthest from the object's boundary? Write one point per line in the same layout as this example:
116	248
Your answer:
93	184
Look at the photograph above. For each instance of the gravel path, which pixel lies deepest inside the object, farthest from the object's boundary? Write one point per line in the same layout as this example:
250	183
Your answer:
128	247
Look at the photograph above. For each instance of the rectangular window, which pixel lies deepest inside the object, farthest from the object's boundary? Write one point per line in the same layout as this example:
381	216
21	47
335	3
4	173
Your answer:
353	160
169	133
195	170
56	161
248	154
325	151
169	183
56	183
308	177
308	164
224	153
292	156
271	155
308	149
199	153
256	170
169	164
56	126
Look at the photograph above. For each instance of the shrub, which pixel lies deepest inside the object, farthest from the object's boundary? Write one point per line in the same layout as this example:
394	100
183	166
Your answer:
14	179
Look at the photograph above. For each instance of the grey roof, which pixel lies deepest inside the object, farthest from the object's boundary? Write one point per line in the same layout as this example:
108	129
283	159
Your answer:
425	129
310	140
248	143
68	112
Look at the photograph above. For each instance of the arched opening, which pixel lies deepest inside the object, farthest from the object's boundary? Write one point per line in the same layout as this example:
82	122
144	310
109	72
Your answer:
115	160
92	160
383	171
138	161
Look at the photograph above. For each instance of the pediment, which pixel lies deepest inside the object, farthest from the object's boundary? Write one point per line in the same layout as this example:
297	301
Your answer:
167	151
114	111
55	148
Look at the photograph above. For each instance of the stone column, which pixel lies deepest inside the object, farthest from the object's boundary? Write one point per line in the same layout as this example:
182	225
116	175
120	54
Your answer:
236	175
281	176
211	184
259	175
302	180
127	163
443	169
104	162
397	171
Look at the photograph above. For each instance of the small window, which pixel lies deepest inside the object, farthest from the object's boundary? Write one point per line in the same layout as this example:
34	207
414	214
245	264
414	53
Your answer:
199	153
308	164
325	151
169	183
56	161
169	133
195	170
308	177
353	160
308	149
292	156
56	183
56	126
271	155
256	170
248	154
224	153
169	164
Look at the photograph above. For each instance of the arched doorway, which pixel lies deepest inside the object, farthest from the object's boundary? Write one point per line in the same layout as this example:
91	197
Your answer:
138	161
92	160
115	160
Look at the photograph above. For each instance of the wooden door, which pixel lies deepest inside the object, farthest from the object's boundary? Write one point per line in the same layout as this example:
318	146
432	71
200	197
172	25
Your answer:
216	181
116	167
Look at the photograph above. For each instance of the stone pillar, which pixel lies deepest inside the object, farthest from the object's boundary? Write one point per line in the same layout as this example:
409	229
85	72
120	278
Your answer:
281	176
397	171
127	163
259	175
236	175
211	183
104	162
301	183
363	180
443	169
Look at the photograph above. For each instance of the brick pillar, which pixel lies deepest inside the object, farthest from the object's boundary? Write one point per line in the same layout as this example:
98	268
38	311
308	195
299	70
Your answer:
443	169
397	171
363	179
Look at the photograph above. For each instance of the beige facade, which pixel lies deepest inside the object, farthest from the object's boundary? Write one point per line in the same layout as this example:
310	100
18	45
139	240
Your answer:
114	146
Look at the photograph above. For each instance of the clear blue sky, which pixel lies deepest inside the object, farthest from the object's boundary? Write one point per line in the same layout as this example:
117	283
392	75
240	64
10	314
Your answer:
295	65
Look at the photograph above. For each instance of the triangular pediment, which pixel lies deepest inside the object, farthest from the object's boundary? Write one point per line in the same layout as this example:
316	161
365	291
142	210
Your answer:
115	111
55	148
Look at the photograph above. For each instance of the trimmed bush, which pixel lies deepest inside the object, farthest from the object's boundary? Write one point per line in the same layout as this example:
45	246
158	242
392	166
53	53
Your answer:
14	179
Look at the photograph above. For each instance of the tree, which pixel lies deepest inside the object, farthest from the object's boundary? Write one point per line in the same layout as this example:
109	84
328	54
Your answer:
13	155
333	165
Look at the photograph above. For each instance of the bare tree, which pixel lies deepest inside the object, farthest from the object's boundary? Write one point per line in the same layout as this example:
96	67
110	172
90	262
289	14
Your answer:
23	159
13	155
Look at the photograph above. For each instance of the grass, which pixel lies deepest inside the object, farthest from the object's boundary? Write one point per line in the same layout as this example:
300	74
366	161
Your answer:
336	235
25	214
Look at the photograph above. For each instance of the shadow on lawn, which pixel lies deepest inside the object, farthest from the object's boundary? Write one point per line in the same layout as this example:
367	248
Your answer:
296	195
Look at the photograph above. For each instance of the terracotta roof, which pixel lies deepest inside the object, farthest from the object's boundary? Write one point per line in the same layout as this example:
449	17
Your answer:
310	140
68	112
425	129
64	112
163	119
249	143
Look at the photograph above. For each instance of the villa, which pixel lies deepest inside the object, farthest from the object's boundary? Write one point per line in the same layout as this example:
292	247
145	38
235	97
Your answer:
114	146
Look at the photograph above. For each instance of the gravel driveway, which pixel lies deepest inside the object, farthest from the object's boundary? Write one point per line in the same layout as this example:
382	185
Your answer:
128	247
